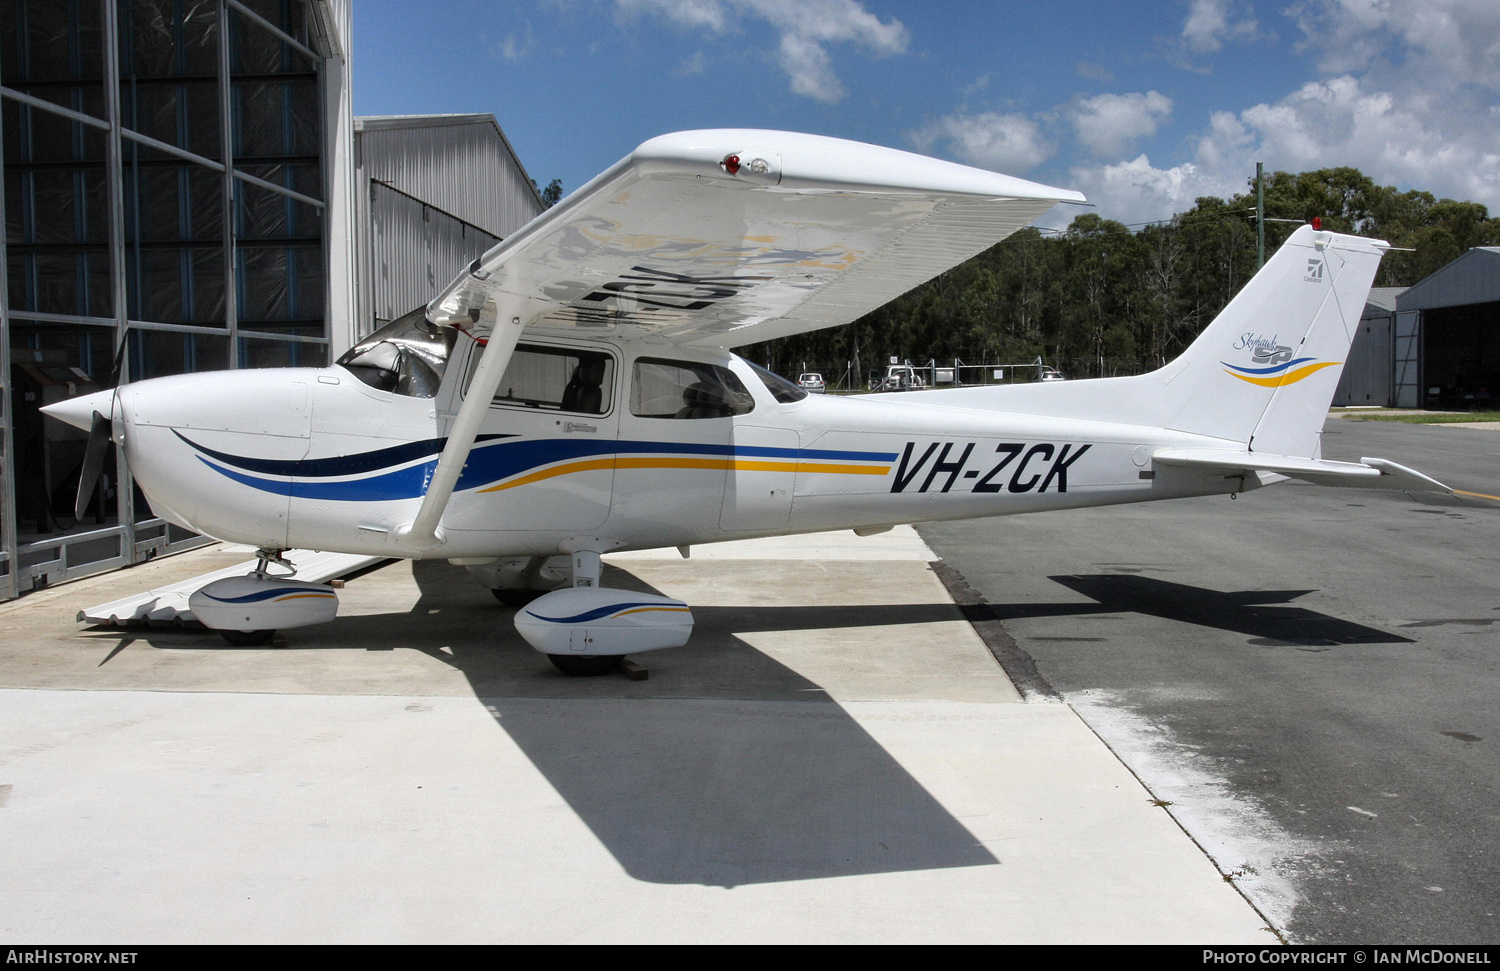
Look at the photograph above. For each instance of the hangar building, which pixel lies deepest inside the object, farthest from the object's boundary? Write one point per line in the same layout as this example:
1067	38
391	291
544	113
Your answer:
185	180
1432	345
1453	320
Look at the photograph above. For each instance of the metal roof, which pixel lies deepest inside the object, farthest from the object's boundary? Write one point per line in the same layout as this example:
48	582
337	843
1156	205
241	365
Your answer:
1382	301
1472	278
461	164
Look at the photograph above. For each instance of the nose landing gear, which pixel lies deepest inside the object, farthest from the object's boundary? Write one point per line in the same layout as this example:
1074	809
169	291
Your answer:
247	611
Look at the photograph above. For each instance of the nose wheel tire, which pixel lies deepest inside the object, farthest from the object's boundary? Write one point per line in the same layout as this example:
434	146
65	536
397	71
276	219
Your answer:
248	638
586	665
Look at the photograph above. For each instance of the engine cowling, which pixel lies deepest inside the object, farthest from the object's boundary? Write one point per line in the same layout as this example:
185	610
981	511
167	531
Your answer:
263	603
597	621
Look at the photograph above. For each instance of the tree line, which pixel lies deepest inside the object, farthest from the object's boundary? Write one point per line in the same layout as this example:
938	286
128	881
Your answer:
1102	298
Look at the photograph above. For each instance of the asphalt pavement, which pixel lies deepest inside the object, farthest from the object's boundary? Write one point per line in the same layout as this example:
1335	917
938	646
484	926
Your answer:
1307	675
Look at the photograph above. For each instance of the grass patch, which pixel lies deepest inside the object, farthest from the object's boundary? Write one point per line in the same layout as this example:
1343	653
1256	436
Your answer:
1443	418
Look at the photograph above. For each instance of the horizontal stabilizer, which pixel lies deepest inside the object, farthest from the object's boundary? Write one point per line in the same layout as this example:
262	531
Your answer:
1366	474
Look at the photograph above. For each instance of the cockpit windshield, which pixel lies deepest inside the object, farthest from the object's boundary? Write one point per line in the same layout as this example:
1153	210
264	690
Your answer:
781	389
406	356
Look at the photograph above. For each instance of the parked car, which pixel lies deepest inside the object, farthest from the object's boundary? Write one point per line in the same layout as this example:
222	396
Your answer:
812	382
900	377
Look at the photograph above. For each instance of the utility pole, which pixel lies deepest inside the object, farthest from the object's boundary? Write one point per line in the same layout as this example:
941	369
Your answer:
1260	215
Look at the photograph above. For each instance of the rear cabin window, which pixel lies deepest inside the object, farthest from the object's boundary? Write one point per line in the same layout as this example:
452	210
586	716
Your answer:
686	389
555	379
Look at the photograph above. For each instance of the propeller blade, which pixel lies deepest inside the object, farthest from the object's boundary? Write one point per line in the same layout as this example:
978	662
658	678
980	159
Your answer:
93	462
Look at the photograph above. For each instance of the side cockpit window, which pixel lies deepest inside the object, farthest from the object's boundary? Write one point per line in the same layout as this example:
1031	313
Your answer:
556	379
686	389
407	356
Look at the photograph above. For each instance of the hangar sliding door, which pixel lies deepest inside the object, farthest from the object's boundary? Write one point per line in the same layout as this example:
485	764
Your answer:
1408	359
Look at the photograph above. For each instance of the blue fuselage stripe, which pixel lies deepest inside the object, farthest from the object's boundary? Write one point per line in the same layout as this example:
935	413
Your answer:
314	479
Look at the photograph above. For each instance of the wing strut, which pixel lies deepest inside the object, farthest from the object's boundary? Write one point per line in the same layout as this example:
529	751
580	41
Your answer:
423	532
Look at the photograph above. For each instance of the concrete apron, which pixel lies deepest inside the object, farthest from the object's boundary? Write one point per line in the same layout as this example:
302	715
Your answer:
834	757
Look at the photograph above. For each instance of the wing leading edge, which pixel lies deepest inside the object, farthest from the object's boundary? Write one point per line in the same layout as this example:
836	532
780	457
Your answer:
729	237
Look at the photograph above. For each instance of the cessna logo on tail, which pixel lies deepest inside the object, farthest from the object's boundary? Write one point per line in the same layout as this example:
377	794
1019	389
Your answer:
1022	467
1314	270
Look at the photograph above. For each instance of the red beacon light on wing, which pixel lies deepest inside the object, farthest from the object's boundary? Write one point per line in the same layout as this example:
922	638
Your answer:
761	166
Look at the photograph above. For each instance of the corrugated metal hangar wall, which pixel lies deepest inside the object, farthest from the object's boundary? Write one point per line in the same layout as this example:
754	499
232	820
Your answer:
436	191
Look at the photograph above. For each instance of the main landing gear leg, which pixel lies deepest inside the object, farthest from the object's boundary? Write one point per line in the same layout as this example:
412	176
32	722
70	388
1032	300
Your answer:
587	568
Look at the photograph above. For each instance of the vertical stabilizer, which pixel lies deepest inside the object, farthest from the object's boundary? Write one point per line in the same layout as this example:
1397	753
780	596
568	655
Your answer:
1264	372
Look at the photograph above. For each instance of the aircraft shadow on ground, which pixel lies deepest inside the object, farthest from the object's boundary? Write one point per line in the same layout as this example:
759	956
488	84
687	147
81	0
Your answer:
1262	615
758	777
725	768
739	770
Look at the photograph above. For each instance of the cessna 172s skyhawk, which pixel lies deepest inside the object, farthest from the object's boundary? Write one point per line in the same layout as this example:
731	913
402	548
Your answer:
572	393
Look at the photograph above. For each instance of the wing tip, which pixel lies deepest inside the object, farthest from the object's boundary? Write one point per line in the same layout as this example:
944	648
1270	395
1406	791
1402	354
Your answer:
821	161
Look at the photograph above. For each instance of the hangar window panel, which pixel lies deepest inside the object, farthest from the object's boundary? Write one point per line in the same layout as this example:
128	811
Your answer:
167	199
88	348
56	223
174	239
169	38
176	284
279	285
51	49
255	50
262	213
178	113
168	72
288	15
686	389
272	353
275	119
158	353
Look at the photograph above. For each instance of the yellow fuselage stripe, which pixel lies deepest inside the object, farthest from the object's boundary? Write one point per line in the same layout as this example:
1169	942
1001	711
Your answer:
742	465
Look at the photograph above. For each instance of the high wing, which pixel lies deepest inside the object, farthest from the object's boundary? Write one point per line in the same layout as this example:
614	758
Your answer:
730	237
719	238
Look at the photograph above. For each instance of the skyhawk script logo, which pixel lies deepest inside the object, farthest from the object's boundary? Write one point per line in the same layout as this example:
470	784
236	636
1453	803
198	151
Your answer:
1275	365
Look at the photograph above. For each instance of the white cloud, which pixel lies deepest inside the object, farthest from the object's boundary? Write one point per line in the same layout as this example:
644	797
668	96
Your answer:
712	15
1109	124
806	28
1094	72
1409	95
1405	139
1454	40
1408	140
1010	143
1136	191
512	47
1211	22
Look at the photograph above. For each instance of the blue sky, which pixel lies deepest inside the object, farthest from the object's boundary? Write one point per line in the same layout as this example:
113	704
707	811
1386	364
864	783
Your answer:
1142	106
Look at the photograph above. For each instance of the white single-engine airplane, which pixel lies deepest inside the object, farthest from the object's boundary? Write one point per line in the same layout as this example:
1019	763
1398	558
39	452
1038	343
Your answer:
572	393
